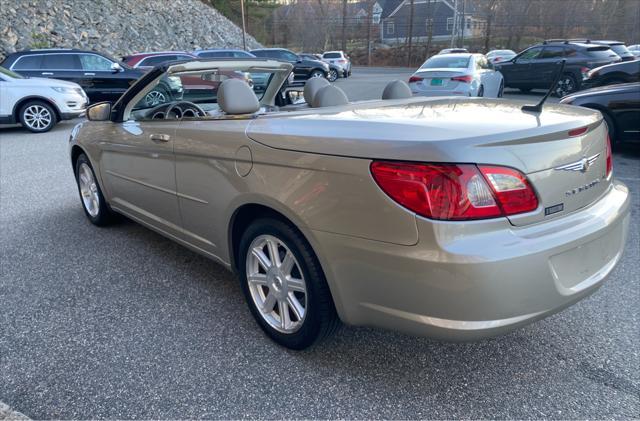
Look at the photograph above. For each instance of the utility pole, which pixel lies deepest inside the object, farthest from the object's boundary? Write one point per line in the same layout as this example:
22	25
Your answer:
410	33
244	28
369	23
344	25
463	26
454	30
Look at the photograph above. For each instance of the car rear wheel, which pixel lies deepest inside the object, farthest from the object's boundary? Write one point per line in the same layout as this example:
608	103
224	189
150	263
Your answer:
333	75
156	97
317	73
481	91
284	285
93	203
37	116
566	85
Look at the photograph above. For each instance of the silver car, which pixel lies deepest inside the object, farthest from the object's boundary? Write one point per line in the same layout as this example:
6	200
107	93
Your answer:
456	218
340	59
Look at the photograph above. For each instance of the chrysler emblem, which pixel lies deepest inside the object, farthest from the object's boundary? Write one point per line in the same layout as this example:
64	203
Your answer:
582	165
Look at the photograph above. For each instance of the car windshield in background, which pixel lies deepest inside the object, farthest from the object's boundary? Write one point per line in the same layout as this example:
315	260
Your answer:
621	50
500	53
453	62
200	87
603	52
332	55
10	74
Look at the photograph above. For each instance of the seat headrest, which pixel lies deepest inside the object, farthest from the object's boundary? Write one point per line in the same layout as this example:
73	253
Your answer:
312	86
236	97
329	96
396	89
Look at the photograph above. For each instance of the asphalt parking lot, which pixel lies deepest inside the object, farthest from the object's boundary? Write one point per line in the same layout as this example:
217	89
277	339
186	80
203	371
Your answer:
120	322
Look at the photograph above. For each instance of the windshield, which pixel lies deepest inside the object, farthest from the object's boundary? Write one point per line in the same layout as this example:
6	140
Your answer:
332	55
621	50
200	87
10	74
446	62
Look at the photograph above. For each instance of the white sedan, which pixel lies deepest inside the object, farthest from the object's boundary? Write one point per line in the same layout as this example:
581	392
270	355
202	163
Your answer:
457	75
38	103
497	56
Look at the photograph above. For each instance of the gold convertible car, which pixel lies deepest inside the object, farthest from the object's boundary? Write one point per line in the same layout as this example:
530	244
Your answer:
456	218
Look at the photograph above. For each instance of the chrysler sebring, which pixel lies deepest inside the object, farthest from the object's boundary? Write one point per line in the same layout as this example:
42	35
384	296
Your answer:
456	218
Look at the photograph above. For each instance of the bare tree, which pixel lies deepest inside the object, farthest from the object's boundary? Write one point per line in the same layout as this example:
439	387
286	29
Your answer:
410	39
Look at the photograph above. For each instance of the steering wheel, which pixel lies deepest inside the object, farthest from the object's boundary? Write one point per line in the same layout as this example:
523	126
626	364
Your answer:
183	109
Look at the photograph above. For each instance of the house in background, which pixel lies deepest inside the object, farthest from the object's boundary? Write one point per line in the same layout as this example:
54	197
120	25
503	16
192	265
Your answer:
435	15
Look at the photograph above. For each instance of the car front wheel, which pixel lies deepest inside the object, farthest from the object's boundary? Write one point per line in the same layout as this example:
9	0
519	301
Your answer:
317	73
37	116
93	203
332	76
284	285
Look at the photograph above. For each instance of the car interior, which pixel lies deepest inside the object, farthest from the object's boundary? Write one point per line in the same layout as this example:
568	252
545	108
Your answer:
209	91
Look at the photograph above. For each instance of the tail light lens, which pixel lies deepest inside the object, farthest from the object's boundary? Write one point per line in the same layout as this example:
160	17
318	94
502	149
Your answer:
609	157
585	72
465	78
497	59
455	192
415	79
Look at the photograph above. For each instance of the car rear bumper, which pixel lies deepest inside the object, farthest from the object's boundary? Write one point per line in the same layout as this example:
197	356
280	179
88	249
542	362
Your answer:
469	280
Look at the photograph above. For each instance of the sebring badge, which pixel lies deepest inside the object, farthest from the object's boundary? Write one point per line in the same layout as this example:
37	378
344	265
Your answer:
582	165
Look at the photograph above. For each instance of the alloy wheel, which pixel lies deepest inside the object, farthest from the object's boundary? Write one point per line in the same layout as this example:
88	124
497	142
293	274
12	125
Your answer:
317	73
88	190
333	75
37	117
154	98
276	284
565	86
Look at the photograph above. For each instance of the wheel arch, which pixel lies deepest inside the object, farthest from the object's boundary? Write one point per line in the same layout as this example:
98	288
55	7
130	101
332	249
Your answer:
250	211
22	101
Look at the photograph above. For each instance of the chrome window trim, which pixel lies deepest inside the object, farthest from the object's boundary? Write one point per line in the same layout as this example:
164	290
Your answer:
57	70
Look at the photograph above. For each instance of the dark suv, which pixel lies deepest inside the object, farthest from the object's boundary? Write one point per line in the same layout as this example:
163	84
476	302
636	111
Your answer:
536	67
101	77
303	68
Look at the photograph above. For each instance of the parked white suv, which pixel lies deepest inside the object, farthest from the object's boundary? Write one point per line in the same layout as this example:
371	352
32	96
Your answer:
340	59
38	103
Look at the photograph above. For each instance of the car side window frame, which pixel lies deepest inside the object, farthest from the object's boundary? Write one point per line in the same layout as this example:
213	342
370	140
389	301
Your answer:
80	55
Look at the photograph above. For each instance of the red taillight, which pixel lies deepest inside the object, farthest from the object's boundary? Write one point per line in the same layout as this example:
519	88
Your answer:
609	157
415	79
342	61
497	59
455	191
465	78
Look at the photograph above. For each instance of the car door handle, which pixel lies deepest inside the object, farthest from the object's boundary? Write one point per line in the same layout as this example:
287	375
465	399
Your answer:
47	73
160	137
89	74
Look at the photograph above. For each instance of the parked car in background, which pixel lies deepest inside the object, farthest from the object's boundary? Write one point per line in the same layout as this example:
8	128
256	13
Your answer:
101	77
303	69
38	103
453	51
335	71
537	66
618	47
457	74
635	50
612	74
222	53
340	59
619	105
147	61
457	218
496	56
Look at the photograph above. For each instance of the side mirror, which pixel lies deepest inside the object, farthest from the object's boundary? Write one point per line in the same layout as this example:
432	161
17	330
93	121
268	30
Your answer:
99	112
116	67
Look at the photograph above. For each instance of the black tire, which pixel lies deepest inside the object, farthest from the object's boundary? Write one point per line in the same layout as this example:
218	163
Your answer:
481	91
321	319
566	85
525	90
317	73
501	90
37	116
157	96
332	76
611	127
105	215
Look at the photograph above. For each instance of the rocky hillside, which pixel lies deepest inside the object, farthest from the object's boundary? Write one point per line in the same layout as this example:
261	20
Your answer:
117	27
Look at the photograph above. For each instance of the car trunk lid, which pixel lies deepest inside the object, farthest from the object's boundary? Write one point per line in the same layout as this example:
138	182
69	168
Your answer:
457	130
437	79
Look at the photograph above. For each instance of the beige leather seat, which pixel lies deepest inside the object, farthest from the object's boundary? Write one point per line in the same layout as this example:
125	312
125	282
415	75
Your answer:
329	96
312	87
396	89
236	97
